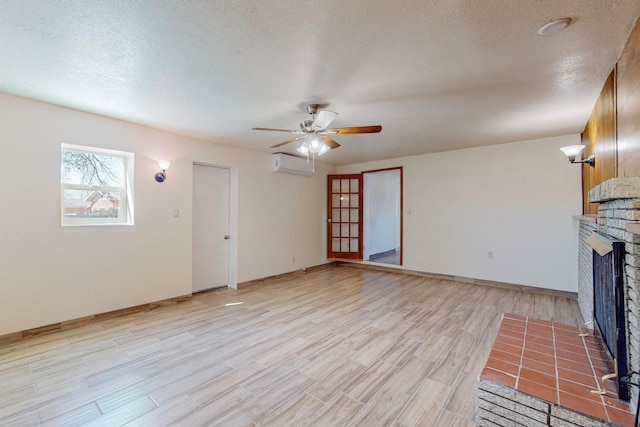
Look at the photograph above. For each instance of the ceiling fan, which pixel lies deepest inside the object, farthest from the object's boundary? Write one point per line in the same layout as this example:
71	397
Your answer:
314	133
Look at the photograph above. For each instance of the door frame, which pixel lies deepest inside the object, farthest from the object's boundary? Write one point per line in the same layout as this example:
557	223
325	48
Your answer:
233	220
401	208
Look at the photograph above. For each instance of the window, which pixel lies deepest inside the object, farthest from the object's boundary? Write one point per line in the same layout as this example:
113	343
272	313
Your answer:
96	186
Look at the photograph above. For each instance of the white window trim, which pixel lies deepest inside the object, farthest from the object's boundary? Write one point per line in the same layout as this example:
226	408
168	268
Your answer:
127	211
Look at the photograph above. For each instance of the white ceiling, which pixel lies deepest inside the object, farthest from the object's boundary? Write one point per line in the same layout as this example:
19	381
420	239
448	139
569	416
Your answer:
436	74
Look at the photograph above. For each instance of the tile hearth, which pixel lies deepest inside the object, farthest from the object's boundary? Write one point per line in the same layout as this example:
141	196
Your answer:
541	373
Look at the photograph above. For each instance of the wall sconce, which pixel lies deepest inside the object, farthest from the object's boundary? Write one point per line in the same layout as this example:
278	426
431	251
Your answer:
164	165
571	151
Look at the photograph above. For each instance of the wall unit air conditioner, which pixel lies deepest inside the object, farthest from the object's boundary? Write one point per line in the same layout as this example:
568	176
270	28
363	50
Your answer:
286	163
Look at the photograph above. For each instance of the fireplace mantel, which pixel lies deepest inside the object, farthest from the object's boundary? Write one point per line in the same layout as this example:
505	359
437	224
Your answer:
586	218
616	188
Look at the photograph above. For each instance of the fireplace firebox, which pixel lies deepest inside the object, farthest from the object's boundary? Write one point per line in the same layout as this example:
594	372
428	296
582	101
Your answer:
609	305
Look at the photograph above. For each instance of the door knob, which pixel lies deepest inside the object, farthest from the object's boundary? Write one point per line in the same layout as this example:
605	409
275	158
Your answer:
329	220
226	237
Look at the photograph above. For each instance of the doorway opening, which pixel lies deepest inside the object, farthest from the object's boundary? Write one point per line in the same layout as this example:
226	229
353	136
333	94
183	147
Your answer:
382	216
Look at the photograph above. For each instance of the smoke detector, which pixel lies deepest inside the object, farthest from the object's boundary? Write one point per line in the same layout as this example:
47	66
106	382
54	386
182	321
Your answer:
554	26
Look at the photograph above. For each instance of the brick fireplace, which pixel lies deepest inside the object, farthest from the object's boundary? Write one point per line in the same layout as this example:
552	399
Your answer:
540	373
619	219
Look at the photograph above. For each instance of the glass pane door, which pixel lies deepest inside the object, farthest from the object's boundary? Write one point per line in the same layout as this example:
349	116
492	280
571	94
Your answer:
344	228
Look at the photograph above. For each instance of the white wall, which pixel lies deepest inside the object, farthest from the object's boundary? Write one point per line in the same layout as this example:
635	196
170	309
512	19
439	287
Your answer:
516	200
50	273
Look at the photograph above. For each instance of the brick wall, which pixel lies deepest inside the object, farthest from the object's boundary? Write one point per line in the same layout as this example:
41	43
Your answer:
585	269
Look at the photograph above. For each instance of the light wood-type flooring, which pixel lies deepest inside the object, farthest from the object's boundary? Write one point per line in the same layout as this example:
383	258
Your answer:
336	346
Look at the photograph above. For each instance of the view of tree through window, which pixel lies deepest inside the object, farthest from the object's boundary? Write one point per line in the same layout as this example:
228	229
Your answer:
91	169
94	185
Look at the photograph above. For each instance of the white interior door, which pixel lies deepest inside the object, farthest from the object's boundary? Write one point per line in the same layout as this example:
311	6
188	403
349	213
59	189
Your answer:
211	237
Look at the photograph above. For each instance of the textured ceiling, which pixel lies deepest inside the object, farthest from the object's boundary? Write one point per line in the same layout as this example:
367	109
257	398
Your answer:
436	74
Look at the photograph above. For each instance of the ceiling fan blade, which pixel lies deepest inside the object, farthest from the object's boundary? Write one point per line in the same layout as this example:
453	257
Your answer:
357	129
324	119
276	130
330	142
287	142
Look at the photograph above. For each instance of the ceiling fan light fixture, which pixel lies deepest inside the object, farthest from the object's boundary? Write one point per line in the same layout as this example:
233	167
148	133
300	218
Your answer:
323	149
314	133
303	149
313	145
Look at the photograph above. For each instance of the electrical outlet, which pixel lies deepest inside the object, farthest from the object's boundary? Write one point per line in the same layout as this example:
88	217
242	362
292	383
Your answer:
490	254
176	213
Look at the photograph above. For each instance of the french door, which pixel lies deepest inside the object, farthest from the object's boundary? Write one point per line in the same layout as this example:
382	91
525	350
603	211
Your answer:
344	228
